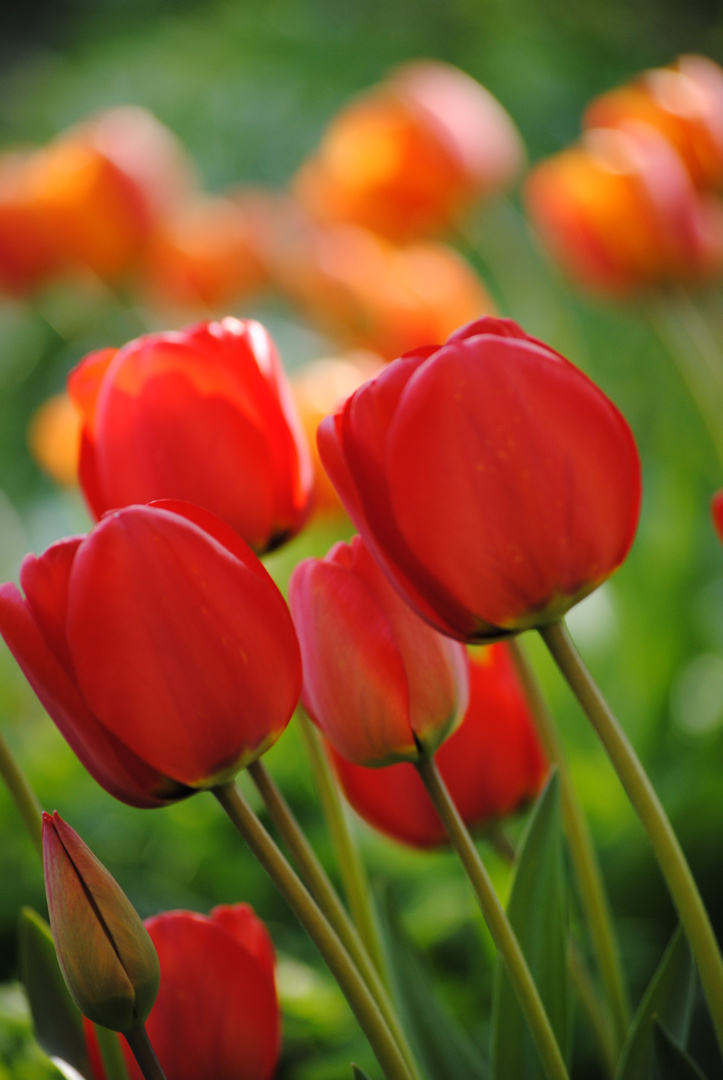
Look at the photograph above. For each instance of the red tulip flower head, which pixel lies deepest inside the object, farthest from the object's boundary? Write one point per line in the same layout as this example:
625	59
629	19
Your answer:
716	508
491	765
203	415
216	1016
160	647
381	684
492	480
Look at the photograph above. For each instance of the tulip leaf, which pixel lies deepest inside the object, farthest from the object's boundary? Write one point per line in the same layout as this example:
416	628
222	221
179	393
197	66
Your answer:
57	1021
537	910
669	1000
670	1061
440	1048
357	1073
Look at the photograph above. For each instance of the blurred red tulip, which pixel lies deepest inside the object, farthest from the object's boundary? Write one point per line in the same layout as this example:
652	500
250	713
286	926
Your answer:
160	647
206	255
492	764
321	387
203	414
368	293
620	214
716	507
106	956
684	103
379	683
216	1016
493	481
408	156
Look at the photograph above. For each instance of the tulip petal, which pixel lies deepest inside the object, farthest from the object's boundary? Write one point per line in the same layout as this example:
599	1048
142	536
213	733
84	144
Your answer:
162	625
106	758
243	924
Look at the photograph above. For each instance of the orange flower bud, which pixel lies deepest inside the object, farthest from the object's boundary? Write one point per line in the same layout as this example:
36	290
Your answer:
406	157
107	958
492	764
684	103
54	438
620	214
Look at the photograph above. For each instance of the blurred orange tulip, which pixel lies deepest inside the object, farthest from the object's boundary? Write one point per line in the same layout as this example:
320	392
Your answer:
620	214
408	156
100	187
320	388
684	103
368	293
27	258
205	256
54	438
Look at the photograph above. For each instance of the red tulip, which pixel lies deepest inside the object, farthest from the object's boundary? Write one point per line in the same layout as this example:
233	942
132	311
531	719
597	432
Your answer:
160	647
216	1016
380	684
203	415
491	764
493	481
716	507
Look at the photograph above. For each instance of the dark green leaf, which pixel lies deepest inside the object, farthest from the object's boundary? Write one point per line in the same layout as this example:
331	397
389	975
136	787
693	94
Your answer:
669	999
357	1073
538	912
58	1024
670	1061
440	1048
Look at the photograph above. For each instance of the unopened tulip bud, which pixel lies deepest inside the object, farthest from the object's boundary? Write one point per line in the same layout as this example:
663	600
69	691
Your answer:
107	958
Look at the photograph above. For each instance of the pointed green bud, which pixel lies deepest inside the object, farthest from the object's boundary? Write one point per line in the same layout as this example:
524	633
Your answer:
106	956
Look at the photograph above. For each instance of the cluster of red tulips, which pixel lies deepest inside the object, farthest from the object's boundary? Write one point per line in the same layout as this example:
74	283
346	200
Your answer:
493	486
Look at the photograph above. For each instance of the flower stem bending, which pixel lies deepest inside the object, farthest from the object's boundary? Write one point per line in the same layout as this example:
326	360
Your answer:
587	870
497	922
22	794
649	809
324	894
317	927
144	1054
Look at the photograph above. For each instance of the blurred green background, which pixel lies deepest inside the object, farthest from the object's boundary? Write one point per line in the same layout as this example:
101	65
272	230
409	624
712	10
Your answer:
249	88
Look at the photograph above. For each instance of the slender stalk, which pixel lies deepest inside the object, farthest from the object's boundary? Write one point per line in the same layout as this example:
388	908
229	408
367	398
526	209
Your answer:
356	885
324	894
582	851
317	927
111	1052
144	1054
22	794
497	922
649	809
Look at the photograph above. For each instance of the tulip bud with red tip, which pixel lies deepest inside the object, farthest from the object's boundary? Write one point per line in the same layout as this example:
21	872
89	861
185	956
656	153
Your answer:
216	1015
491	765
494	482
204	415
379	683
106	956
160	647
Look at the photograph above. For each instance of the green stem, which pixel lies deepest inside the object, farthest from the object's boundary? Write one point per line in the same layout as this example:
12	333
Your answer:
649	809
323	892
317	927
23	795
110	1050
582	851
497	922
356	885
144	1054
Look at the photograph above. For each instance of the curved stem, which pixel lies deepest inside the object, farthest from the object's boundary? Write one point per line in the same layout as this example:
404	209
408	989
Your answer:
497	922
317	882
22	794
144	1054
110	1050
649	809
334	954
356	886
582	851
